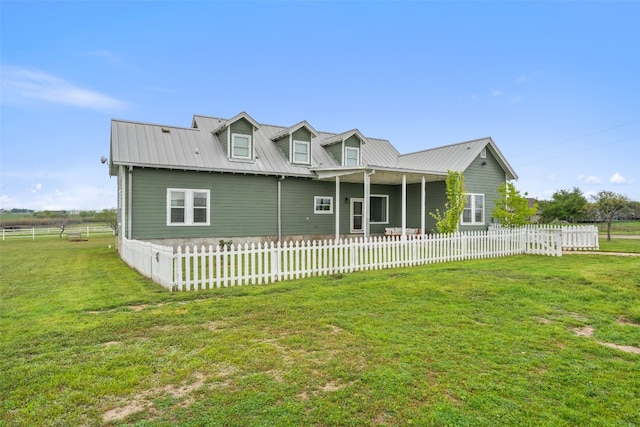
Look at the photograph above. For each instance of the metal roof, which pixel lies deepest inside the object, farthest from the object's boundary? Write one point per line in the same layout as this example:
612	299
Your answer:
455	157
198	148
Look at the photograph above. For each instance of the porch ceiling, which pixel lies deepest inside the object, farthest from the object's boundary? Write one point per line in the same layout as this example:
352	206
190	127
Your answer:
378	176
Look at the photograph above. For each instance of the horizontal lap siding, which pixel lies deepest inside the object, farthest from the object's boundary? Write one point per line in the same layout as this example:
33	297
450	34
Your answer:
302	134
283	145
298	215
241	205
484	179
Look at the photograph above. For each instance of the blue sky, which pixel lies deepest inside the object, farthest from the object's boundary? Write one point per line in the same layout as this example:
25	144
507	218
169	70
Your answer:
555	84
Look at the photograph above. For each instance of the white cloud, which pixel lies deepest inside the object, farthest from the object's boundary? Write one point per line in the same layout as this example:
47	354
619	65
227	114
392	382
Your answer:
590	179
496	92
33	84
618	179
35	188
523	79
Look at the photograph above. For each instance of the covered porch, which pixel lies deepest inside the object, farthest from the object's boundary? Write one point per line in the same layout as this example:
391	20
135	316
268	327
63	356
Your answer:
360	207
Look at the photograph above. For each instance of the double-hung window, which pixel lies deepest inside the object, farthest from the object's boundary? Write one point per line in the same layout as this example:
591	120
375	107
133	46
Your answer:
351	156
473	213
322	204
241	146
301	152
188	207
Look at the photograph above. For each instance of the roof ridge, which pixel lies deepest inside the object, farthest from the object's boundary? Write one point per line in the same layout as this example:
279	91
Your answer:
134	122
445	146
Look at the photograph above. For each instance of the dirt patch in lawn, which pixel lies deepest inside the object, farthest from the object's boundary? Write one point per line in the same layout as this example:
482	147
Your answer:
587	331
144	401
622	320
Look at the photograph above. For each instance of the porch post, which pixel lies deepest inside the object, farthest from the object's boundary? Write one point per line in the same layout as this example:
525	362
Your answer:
279	208
365	205
404	206
130	197
336	206
423	208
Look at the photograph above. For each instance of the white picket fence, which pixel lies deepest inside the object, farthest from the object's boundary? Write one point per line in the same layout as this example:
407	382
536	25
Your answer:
193	267
580	238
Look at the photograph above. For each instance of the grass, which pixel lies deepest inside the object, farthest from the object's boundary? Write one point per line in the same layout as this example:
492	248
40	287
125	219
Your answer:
621	228
619	245
86	341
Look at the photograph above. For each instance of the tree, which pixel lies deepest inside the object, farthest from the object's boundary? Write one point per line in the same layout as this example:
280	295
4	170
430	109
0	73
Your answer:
512	209
565	205
110	217
610	206
447	222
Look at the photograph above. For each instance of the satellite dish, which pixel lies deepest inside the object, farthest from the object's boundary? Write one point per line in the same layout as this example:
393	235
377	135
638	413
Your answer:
103	160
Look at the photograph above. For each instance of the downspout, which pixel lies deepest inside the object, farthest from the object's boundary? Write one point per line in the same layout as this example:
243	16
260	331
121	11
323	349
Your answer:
130	197
279	210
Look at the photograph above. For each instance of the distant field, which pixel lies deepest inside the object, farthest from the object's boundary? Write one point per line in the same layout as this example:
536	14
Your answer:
518	341
621	227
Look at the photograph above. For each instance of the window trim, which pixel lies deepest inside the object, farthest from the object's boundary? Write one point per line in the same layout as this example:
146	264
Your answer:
357	150
473	209
189	207
232	153
315	205
293	152
483	153
386	204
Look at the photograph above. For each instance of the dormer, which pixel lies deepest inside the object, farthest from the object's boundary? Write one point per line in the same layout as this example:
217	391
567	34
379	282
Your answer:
236	137
346	147
295	143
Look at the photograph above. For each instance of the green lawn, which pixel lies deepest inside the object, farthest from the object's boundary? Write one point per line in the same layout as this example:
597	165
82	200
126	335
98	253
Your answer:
86	341
621	228
619	245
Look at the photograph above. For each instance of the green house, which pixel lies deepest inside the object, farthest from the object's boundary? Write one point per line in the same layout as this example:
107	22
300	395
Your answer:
237	179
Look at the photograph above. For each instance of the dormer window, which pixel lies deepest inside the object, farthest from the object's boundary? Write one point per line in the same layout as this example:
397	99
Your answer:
301	152
351	156
241	146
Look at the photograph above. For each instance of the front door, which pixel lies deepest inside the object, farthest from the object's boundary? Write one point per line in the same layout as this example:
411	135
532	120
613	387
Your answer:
357	219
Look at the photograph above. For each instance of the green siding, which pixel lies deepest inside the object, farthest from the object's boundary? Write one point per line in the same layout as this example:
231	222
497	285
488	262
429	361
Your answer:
246	205
249	212
298	215
435	198
302	134
484	179
336	152
283	145
242	126
352	141
223	138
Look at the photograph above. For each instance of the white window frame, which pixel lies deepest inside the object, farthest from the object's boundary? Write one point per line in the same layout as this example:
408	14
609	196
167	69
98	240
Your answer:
293	152
347	149
320	198
233	146
472	207
386	204
189	207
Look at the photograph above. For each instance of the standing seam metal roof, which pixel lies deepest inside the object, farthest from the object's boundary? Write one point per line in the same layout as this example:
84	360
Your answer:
198	148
